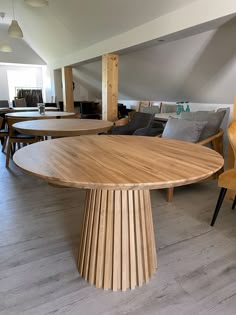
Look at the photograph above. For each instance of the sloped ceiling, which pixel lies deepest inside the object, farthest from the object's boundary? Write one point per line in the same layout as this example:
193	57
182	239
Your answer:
199	68
73	31
66	26
21	53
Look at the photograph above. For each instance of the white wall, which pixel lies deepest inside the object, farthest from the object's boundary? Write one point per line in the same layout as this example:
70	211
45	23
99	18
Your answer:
4	90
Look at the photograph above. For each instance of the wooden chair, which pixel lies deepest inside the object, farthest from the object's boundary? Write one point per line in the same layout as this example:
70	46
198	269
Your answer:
3	133
20	102
17	138
216	142
227	180
143	104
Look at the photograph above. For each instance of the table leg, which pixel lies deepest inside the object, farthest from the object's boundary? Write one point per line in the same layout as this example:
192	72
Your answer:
117	249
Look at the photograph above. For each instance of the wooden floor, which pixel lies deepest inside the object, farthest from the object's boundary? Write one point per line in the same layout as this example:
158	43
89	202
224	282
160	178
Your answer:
39	236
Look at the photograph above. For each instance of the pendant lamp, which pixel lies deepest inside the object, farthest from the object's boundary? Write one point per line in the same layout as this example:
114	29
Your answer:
14	29
5	47
37	3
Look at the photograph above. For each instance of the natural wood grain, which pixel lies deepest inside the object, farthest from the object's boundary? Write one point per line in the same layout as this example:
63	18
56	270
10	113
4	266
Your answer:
110	87
139	171
36	115
63	127
67	88
126	162
113	271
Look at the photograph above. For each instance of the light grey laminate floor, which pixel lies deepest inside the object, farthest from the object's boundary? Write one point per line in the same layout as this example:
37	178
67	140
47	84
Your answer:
39	237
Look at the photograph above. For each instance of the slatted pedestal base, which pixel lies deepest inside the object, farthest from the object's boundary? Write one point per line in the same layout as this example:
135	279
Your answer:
117	249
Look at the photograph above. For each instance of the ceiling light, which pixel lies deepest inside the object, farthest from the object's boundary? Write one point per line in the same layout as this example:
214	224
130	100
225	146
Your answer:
37	3
14	29
5	47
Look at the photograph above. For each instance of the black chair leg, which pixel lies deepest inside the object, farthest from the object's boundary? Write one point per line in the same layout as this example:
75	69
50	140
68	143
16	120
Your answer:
234	203
218	205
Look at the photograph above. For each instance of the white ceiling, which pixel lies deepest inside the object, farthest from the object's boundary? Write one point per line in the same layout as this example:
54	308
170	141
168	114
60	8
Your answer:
66	27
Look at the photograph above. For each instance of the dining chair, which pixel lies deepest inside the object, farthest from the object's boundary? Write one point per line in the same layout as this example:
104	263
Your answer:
139	120
20	102
227	180
3	133
4	103
15	137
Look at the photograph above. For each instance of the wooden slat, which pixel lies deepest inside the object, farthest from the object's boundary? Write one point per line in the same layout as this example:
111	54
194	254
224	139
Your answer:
132	245
143	213
138	238
109	241
84	232
117	242
125	240
101	241
94	241
89	233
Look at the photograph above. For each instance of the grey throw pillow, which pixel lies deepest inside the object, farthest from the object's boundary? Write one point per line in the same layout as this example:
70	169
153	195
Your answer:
181	129
214	120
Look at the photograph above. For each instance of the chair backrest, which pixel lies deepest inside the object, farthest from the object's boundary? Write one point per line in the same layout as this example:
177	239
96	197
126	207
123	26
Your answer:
4	103
168	108
11	121
143	104
232	136
150	109
140	120
20	102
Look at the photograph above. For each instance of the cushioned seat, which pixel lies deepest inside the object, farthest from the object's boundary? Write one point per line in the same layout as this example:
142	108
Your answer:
139	120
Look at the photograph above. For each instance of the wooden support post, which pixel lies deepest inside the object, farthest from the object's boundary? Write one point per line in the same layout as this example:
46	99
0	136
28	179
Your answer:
109	87
67	89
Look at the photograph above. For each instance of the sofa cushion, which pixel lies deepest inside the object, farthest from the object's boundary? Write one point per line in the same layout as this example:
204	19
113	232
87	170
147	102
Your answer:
214	120
181	129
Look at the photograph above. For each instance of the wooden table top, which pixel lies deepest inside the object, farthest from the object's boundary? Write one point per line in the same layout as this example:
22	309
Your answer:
24	109
36	115
118	162
62	127
165	116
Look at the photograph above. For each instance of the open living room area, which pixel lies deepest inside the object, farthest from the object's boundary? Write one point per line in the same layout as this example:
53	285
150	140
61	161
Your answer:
117	160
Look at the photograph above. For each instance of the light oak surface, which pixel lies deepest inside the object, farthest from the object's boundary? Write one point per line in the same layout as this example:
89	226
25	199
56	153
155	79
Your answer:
118	221
25	109
165	116
63	127
39	236
119	162
36	115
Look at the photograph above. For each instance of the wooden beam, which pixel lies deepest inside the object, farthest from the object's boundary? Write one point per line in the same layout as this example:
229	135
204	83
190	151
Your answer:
109	87
67	89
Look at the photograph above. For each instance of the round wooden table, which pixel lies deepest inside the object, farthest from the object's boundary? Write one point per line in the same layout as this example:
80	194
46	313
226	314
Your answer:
62	127
24	109
117	247
36	115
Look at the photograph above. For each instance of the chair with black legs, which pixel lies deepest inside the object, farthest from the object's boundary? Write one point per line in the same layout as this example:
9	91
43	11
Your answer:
227	180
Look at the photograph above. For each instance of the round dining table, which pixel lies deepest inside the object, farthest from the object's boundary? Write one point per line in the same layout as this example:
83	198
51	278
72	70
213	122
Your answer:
63	127
37	115
117	247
